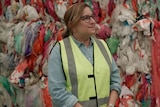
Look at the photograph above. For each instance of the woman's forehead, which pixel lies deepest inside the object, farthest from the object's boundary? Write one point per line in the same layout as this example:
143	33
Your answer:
87	11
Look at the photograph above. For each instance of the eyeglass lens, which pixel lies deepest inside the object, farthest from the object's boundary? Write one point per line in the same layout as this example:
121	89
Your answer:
87	18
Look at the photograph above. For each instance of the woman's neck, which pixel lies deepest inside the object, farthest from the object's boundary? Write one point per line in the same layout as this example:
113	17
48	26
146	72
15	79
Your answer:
84	39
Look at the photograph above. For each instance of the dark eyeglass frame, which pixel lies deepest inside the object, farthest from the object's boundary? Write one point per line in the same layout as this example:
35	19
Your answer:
87	18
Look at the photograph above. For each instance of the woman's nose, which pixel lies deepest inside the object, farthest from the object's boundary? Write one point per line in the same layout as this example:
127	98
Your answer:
92	20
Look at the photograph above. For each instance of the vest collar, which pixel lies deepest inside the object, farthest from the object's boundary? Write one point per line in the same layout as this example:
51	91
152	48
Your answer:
79	44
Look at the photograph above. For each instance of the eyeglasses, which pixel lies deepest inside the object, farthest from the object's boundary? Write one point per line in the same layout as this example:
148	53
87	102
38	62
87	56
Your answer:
87	18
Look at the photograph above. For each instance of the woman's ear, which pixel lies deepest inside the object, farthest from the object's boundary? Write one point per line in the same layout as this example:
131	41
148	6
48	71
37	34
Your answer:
69	24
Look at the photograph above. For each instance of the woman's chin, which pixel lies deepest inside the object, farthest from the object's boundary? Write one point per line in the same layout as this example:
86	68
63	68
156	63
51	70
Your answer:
93	32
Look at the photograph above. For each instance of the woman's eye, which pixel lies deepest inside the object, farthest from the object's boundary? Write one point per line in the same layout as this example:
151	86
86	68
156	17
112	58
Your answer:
86	17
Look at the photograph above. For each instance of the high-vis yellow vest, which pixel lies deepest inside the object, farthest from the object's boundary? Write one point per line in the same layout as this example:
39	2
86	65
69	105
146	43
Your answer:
89	83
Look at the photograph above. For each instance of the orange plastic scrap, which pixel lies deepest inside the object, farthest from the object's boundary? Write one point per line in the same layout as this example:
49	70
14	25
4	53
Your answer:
125	100
141	25
39	42
103	15
40	73
117	102
22	66
46	51
140	95
40	7
18	72
156	62
134	5
46	96
59	34
70	2
130	80
31	61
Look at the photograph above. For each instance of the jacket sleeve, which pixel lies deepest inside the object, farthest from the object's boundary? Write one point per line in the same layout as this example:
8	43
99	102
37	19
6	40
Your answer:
56	81
115	79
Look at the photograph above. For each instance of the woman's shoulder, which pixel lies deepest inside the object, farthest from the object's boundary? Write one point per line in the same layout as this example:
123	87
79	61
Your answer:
55	48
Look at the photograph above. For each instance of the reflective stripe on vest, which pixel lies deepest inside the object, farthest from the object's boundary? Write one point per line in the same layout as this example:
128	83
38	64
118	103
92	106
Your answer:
104	51
99	94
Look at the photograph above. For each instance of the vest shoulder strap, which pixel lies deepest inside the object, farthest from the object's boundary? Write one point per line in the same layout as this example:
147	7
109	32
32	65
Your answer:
104	51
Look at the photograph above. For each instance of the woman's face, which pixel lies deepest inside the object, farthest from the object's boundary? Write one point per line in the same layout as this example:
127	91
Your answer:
86	25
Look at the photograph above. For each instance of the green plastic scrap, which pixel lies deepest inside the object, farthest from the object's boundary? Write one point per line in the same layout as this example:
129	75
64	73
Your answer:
9	88
112	44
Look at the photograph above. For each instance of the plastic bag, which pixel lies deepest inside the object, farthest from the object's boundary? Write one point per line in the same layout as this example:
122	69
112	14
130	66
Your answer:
33	96
112	44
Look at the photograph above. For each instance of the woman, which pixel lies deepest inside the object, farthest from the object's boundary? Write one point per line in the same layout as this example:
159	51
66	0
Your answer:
81	70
